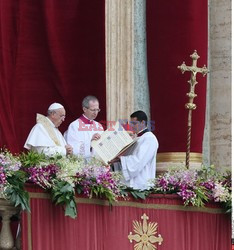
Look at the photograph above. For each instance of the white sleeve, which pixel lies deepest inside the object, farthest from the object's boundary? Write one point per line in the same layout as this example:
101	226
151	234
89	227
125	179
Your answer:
133	164
72	137
37	137
40	141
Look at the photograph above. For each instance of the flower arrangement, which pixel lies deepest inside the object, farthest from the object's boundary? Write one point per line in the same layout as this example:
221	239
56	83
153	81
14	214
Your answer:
12	180
63	177
196	187
97	180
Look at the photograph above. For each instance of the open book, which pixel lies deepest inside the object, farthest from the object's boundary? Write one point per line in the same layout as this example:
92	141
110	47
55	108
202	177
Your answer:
113	142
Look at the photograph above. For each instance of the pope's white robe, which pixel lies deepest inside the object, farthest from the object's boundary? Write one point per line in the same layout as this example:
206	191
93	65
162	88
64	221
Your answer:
79	135
39	140
139	163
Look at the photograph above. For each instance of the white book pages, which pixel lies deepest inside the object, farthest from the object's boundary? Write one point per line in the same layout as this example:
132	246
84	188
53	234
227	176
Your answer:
113	141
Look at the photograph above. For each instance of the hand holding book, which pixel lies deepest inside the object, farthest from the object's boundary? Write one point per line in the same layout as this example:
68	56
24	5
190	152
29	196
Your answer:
113	142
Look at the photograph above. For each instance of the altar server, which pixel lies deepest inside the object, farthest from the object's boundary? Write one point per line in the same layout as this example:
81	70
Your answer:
138	165
45	136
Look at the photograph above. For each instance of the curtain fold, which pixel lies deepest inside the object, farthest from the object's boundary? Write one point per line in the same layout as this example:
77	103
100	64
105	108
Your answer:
50	51
174	30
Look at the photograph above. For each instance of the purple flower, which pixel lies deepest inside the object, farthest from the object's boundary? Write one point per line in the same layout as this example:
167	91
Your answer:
93	176
42	176
209	185
186	194
2	176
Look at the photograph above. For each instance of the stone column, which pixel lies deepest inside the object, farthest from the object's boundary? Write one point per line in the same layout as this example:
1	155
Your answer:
126	64
141	87
7	210
119	58
219	117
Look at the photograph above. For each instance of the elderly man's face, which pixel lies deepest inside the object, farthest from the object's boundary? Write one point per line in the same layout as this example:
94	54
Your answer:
58	117
92	111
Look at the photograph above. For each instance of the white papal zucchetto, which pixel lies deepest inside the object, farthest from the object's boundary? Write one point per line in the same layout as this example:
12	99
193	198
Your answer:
55	105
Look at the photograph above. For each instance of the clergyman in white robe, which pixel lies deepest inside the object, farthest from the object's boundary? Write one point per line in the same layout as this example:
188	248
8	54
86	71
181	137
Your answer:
80	133
45	138
139	162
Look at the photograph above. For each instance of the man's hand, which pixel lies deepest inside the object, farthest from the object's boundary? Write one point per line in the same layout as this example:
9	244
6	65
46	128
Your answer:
69	149
96	137
132	134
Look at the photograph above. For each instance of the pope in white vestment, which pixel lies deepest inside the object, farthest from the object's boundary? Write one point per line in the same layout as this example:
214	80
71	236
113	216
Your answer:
45	137
83	130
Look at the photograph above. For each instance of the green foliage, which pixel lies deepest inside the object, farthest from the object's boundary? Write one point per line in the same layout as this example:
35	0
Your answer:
55	158
15	192
62	193
228	206
32	158
79	189
206	173
98	191
201	196
103	192
137	194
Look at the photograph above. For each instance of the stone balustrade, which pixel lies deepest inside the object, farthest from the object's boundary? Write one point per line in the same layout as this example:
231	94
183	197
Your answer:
7	210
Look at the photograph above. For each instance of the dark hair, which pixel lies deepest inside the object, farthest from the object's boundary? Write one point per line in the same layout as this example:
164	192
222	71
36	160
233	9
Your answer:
140	115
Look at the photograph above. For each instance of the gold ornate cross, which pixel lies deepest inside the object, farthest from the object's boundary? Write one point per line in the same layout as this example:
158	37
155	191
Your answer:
191	95
145	234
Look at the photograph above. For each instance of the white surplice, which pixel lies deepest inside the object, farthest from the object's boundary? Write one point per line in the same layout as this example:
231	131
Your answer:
79	135
139	163
40	140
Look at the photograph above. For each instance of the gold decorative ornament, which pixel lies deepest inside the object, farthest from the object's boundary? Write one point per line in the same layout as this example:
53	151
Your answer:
178	157
145	234
191	95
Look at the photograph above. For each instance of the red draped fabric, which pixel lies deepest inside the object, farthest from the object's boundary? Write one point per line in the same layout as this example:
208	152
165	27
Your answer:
174	30
98	227
50	51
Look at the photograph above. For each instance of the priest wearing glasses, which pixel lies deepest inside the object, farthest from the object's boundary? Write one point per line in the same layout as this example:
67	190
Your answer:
83	130
45	136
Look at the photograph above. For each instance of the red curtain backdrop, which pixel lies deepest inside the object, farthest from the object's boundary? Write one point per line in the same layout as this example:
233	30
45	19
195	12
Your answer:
97	227
174	30
50	51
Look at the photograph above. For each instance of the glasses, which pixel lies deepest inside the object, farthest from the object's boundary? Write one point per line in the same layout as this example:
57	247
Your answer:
94	110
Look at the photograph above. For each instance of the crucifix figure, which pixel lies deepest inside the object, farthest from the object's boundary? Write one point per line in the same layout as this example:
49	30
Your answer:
191	95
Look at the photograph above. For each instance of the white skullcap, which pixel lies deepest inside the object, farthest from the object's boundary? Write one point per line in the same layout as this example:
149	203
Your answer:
55	105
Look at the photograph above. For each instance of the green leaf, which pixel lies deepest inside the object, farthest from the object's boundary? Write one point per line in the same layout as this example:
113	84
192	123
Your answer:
32	158
18	197
79	189
70	210
63	193
60	200
67	188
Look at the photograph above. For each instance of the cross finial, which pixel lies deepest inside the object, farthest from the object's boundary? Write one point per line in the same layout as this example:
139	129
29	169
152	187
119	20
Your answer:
191	95
193	68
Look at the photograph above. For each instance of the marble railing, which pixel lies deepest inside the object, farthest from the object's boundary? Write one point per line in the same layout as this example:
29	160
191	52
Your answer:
7	211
